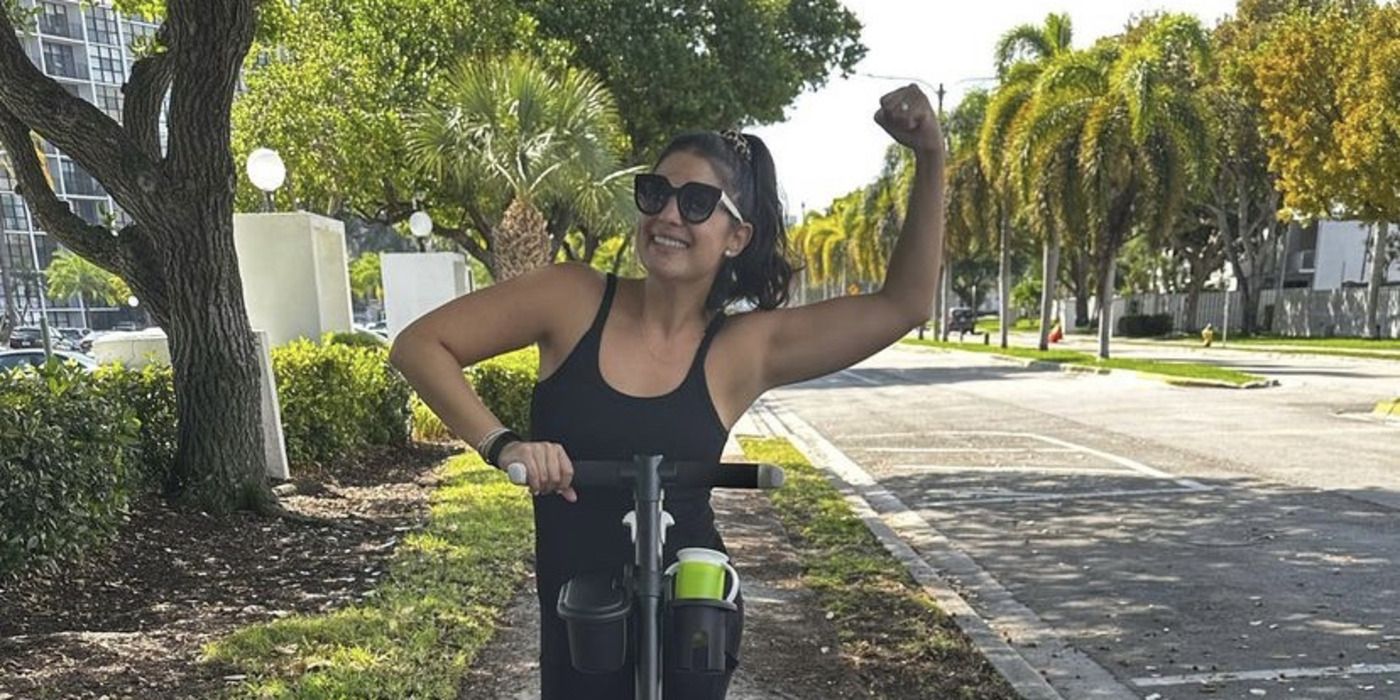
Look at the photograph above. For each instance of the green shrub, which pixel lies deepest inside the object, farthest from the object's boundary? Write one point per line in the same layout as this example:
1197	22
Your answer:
505	383
62	479
150	393
337	399
358	339
1144	325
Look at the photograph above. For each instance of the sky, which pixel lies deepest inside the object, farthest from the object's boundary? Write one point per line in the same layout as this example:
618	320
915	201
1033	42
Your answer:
829	144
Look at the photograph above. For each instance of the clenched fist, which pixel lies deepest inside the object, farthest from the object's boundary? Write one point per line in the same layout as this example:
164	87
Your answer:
907	116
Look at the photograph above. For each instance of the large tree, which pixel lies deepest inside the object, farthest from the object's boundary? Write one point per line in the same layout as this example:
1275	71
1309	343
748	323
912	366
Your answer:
1022	55
177	255
337	79
524	156
1330	97
1143	138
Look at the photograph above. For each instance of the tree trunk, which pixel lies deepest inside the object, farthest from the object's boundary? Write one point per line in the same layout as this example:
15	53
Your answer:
1106	270
522	242
219	464
1004	281
1050	269
1193	303
1080	272
1379	259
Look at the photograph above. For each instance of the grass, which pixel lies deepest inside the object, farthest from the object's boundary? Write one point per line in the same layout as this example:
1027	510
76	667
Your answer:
900	641
1382	344
1173	371
993	325
421	628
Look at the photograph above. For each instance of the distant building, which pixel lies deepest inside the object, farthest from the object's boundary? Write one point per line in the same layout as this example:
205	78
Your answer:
88	48
1332	255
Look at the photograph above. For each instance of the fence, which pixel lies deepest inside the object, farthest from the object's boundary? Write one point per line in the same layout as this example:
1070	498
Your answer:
1302	312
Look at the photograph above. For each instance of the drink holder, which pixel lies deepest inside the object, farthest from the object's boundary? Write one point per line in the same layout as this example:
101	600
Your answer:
597	609
698	634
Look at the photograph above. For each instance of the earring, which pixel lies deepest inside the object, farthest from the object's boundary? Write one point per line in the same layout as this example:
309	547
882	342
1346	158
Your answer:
729	253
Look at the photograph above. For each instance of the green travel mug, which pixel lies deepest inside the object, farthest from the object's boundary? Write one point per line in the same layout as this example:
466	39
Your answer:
699	574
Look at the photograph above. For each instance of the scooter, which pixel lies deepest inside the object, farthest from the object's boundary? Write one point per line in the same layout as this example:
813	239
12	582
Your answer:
599	638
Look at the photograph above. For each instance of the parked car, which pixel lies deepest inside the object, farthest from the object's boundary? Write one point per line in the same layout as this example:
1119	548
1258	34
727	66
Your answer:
962	320
30	337
72	338
10	359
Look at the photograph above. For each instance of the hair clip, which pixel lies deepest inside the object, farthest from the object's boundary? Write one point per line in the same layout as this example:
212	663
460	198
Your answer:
738	141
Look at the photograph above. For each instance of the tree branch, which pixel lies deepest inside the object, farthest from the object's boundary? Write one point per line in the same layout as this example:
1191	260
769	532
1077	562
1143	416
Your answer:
211	41
144	93
463	237
94	243
78	128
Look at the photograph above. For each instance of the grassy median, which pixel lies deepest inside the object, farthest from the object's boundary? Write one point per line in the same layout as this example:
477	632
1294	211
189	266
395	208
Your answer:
420	629
1172	372
890	629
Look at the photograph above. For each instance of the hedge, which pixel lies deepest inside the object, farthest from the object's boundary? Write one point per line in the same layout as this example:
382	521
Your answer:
1144	325
505	384
62	480
338	399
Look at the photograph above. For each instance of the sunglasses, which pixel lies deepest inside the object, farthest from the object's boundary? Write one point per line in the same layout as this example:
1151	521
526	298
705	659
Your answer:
696	201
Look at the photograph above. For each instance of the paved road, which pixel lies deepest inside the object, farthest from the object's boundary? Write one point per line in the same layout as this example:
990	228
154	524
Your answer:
1172	535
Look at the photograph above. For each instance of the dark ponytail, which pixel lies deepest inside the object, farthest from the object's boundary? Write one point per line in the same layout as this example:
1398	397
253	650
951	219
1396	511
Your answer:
761	273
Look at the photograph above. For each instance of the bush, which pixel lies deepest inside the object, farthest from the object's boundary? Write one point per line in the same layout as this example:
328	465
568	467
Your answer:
62	482
506	384
150	393
1144	325
358	339
337	400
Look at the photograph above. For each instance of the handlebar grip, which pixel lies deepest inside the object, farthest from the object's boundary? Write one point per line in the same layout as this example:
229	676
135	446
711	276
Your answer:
515	471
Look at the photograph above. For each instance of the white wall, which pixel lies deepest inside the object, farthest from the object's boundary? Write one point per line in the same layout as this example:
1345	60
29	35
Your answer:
1341	254
416	283
296	279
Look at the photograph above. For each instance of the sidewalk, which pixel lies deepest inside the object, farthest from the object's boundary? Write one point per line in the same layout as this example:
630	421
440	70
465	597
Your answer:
790	650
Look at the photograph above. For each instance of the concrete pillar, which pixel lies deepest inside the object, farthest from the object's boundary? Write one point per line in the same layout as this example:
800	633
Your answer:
416	283
296	278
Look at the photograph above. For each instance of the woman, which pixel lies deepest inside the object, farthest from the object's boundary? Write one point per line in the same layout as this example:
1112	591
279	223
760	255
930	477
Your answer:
654	366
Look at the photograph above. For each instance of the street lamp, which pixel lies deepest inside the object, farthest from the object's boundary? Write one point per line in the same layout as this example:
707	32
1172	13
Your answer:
422	226
267	172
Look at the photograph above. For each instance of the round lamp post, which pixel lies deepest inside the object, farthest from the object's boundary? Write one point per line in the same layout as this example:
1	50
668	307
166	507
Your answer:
422	226
267	172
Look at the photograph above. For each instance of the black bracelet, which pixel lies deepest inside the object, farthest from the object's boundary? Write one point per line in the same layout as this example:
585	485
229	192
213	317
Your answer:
493	451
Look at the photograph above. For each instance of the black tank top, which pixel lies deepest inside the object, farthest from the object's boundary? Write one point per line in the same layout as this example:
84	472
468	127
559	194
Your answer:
576	408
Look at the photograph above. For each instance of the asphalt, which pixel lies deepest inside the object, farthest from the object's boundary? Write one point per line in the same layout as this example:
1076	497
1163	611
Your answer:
1185	542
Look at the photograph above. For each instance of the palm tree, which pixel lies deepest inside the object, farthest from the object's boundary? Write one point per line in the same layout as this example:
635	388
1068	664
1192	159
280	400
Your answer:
1022	56
541	148
70	275
972	212
1142	135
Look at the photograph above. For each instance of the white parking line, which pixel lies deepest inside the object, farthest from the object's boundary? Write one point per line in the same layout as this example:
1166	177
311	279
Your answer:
858	377
1041	498
1070	469
1269	675
967	449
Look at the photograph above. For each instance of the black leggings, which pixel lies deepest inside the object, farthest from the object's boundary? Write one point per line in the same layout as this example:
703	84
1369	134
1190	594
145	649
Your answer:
560	681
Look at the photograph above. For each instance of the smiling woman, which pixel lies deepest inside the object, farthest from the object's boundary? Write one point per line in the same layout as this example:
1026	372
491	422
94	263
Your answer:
656	366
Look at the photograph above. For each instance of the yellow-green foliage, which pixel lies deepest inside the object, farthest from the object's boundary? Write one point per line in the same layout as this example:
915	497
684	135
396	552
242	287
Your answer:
423	626
504	383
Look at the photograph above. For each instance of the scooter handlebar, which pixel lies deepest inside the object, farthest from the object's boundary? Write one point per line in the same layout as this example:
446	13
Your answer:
733	475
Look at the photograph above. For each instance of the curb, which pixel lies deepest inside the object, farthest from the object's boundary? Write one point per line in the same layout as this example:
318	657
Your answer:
1389	410
1043	365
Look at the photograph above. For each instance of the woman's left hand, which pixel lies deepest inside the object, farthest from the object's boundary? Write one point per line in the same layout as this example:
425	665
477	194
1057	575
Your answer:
907	116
